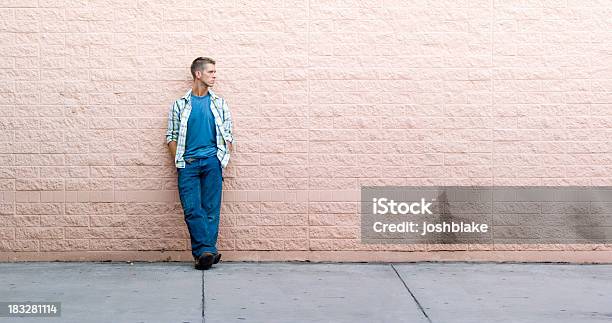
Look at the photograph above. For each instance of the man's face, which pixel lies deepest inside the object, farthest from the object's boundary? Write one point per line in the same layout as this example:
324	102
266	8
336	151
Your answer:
207	75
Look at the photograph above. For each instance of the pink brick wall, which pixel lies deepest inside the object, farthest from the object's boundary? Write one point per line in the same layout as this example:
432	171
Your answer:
327	95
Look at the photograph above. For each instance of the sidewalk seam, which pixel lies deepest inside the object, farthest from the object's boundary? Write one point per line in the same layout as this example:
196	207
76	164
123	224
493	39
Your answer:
411	294
203	299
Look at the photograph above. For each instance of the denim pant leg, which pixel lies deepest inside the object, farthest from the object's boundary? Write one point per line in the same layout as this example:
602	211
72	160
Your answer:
211	187
191	200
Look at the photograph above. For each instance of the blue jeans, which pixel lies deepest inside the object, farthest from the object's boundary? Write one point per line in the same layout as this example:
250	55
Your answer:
199	185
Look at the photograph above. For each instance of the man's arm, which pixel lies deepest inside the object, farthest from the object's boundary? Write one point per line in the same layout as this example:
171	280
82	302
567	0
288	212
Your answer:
173	128
172	146
228	125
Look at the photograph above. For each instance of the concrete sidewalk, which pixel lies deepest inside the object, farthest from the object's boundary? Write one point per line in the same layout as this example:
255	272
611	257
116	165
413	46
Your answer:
302	292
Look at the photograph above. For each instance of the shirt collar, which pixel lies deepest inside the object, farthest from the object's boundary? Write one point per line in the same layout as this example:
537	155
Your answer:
187	96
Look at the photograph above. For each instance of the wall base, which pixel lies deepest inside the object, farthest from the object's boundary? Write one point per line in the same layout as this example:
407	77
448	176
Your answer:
322	256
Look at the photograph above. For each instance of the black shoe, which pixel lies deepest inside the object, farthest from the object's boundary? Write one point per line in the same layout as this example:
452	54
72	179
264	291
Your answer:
217	258
205	261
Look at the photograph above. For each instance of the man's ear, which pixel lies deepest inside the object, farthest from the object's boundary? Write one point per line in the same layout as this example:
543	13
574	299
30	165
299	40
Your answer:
198	75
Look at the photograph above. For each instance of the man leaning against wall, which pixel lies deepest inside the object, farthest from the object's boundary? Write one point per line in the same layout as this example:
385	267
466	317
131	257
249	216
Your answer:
200	138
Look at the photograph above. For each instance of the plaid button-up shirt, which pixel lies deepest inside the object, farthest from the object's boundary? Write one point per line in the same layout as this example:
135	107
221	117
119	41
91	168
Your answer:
177	126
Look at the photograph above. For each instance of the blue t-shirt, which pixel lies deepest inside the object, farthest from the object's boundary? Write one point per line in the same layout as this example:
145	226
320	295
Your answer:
201	140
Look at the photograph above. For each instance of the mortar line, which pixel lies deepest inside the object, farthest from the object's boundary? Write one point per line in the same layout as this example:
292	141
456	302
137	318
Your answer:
308	120
411	294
